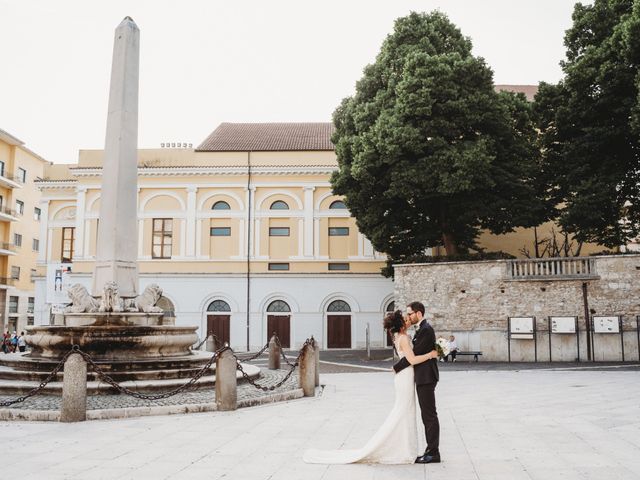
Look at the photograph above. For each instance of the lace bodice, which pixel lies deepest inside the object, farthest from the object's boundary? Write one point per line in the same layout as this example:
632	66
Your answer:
396	343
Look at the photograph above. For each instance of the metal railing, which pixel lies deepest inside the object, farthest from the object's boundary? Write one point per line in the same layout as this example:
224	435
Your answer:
8	211
552	268
7	281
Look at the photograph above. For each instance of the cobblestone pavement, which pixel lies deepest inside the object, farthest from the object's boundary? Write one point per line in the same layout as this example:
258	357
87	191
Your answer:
203	395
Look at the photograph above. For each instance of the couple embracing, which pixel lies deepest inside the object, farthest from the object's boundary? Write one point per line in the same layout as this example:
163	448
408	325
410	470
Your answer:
396	441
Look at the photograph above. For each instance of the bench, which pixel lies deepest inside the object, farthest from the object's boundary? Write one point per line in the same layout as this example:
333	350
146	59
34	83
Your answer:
475	354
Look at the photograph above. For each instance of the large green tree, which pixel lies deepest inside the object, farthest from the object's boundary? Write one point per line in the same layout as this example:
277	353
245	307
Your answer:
428	153
589	125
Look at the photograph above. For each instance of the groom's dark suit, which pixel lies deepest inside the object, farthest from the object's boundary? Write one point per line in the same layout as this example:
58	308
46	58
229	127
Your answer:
426	378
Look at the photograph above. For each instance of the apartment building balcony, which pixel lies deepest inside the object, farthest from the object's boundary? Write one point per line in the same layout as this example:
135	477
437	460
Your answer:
7	249
560	268
6	282
8	215
10	181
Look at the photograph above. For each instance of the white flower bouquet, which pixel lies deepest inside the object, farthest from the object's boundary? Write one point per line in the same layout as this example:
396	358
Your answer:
442	347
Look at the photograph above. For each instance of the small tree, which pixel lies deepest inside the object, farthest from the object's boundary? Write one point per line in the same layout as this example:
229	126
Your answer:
428	153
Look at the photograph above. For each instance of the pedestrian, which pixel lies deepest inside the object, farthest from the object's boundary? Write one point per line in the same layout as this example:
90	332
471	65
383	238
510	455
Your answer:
22	344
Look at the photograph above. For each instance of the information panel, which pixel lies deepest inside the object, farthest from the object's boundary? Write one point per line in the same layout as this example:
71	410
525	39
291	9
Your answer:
522	327
563	324
606	324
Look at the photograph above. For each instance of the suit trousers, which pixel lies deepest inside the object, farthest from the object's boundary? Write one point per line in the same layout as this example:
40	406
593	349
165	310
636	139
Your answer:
427	401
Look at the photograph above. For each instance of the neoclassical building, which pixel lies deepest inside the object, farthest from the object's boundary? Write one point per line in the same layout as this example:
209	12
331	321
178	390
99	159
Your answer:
243	234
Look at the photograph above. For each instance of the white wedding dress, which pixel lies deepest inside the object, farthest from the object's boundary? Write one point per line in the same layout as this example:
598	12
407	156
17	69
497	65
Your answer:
396	441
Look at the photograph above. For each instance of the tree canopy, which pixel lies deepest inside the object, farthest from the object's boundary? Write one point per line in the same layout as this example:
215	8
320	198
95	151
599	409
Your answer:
428	152
590	125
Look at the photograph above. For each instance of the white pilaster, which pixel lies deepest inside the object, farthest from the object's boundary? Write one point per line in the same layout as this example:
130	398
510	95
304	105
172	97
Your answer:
307	232
191	220
140	238
368	248
79	246
242	244
199	238
45	250
256	236
183	237
316	237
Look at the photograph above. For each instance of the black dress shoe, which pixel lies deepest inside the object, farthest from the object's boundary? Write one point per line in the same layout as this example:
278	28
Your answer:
428	458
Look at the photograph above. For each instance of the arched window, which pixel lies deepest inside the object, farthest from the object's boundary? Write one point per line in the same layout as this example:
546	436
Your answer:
278	306
279	205
338	306
337	205
391	307
221	205
218	306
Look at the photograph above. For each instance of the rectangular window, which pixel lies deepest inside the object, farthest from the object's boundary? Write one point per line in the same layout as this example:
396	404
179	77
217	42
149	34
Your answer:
37	213
30	320
17	239
20	207
220	231
22	175
1	169
36	245
31	303
162	238
279	266
68	238
15	273
338	231
33	275
278	231
338	266
1	201
13	304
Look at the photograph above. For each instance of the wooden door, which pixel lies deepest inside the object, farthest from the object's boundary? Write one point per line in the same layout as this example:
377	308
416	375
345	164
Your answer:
339	331
280	324
219	326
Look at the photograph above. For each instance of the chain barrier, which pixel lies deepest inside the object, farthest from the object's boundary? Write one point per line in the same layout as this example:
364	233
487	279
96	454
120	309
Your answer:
102	375
281	382
216	341
157	396
284	357
43	384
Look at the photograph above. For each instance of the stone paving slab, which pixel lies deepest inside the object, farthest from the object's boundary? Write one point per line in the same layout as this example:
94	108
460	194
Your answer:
530	425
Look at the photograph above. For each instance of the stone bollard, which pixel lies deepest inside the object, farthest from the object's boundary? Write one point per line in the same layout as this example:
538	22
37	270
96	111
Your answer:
307	371
226	383
210	344
274	354
316	349
74	390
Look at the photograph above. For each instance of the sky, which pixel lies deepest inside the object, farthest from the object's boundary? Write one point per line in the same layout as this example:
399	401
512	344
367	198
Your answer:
203	62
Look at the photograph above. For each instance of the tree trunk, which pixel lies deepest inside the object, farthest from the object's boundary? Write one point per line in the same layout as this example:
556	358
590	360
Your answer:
449	244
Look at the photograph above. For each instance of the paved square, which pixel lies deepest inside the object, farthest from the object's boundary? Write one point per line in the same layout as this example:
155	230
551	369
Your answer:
530	424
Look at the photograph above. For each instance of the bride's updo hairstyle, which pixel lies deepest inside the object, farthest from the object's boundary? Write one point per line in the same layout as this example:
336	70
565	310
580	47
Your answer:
394	321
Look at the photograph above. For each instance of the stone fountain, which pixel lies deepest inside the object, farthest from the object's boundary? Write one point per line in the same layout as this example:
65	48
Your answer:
122	330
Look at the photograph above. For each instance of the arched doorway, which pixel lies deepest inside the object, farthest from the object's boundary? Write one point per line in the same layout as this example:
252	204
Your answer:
390	308
279	322
338	324
219	320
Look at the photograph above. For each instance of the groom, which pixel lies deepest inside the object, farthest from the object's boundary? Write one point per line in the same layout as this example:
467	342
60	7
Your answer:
426	378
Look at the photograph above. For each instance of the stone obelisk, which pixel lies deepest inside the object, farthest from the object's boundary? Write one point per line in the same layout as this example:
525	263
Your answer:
116	253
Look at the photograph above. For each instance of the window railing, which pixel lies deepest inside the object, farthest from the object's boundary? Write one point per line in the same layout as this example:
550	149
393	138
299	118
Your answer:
8	211
7	281
551	268
7	246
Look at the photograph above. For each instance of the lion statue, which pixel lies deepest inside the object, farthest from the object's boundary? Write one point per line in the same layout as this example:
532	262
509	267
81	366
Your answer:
111	301
81	301
146	301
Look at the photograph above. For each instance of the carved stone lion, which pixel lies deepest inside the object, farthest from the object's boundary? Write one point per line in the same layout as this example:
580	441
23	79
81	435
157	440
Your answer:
111	301
81	301
146	301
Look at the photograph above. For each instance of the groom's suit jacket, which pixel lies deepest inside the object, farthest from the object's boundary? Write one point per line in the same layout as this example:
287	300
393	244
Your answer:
423	342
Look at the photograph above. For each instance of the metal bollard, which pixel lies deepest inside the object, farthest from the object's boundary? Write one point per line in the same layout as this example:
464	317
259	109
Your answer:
316	353
226	383
74	390
308	371
210	344
274	354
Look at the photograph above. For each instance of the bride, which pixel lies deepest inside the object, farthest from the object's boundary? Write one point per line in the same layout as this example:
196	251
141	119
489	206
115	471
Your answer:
396	441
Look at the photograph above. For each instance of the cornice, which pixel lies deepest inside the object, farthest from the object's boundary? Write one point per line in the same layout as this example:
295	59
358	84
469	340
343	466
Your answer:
217	170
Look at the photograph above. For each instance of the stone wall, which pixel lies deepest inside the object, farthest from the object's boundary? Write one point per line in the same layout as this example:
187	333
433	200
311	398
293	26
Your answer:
473	301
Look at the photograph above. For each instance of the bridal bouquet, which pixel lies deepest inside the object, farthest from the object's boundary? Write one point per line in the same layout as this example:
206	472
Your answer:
442	347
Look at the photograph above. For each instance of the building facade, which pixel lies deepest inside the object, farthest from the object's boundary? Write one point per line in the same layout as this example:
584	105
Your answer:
20	243
243	234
